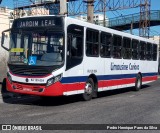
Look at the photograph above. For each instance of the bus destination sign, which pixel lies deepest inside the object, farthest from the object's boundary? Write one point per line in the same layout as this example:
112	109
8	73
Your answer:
37	22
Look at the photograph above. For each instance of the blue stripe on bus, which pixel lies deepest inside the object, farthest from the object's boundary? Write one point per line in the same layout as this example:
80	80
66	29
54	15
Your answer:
74	79
149	74
103	77
112	77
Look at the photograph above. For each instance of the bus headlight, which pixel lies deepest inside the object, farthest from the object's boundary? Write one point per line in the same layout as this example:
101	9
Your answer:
54	80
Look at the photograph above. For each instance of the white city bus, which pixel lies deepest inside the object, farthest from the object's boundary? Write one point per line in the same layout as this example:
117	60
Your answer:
58	55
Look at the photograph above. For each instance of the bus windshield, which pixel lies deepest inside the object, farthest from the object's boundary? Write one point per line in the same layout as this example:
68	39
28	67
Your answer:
39	48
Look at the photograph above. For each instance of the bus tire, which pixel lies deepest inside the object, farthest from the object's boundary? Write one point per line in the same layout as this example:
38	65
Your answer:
89	90
138	83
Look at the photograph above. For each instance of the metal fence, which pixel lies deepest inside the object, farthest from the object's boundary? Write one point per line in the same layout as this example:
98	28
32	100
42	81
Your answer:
133	18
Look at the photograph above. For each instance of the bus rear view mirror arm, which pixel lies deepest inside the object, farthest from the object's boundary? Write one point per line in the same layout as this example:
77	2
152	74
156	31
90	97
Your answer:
2	40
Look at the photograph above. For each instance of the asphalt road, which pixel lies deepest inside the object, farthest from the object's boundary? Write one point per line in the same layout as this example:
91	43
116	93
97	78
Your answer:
112	107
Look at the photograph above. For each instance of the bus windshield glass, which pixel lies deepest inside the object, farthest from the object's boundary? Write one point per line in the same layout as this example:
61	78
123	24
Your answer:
39	48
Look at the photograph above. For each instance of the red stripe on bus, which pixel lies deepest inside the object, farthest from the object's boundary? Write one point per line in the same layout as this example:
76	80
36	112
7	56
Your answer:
57	89
144	79
108	83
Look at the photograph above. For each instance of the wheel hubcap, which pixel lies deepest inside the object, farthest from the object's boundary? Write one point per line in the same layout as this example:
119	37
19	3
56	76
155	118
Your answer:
88	88
138	83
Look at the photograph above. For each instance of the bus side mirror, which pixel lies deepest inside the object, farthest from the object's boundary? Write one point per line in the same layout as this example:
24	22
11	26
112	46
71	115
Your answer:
2	41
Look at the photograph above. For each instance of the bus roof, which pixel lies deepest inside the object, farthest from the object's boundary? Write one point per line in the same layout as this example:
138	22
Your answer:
97	27
109	30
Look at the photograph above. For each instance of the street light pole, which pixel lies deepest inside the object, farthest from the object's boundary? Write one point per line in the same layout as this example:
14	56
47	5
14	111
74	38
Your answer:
63	7
90	11
104	11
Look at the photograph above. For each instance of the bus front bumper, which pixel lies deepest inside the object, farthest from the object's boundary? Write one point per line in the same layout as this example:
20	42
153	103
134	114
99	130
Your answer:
56	89
33	89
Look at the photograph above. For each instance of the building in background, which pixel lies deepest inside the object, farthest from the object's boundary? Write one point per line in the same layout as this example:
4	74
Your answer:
38	11
98	19
44	1
157	39
5	18
7	15
5	23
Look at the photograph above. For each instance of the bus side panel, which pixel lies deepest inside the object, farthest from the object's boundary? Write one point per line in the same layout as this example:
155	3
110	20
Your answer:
112	81
149	73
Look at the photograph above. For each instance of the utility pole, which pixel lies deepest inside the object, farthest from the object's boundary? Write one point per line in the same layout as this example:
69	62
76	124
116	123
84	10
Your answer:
159	44
90	11
131	28
63	7
144	24
104	13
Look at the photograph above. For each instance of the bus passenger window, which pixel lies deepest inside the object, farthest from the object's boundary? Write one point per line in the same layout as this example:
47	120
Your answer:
92	43
106	40
127	51
135	49
154	52
117	47
149	51
142	50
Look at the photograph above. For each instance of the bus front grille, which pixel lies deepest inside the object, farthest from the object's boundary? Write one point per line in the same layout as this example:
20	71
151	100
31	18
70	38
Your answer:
30	70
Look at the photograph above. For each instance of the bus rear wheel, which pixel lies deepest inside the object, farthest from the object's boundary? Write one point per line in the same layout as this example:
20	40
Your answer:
138	83
89	90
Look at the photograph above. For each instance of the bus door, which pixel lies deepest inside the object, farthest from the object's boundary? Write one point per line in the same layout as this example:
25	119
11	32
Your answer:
74	50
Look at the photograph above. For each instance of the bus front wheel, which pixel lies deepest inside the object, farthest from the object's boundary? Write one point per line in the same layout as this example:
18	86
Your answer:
88	91
138	83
